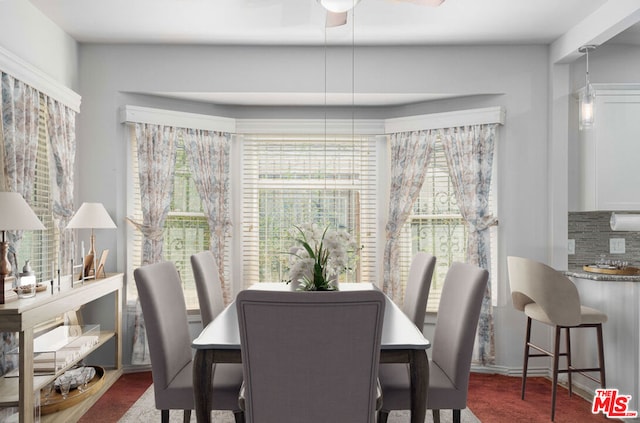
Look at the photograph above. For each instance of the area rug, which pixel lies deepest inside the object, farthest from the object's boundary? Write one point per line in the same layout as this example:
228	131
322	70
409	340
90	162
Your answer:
144	410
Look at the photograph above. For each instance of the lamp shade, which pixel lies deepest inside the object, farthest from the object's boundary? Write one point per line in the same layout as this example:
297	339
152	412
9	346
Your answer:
16	214
91	216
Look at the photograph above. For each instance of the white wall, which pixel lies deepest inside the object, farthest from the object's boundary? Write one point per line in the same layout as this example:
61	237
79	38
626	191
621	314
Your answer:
27	33
512	76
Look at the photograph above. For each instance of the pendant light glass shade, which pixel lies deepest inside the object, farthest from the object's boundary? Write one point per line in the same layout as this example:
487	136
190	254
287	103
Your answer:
587	107
587	100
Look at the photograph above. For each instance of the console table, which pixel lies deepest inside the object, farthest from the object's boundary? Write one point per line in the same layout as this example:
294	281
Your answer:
28	316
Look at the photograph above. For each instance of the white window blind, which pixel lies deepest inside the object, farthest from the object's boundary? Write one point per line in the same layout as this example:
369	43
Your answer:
290	180
40	247
134	212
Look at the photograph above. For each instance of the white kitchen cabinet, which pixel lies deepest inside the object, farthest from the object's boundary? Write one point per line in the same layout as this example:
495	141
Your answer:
610	151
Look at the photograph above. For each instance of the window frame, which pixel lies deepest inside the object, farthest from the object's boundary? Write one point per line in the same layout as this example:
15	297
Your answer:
354	185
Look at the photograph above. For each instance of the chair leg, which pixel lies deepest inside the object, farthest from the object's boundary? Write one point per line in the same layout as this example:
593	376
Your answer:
383	415
456	416
568	340
556	359
436	416
238	416
603	382
164	416
525	363
187	416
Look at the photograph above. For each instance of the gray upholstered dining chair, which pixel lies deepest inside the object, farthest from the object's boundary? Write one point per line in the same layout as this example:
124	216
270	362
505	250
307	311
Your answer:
453	341
414	304
396	395
208	286
165	314
547	296
310	356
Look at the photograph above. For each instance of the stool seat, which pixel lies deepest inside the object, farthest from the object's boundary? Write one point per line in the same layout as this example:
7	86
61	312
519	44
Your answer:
588	315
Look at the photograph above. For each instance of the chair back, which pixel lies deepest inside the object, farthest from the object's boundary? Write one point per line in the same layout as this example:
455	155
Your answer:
310	356
418	284
208	286
534	282
165	317
458	313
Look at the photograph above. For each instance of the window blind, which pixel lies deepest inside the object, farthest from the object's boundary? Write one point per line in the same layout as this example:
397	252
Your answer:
297	179
134	212
40	247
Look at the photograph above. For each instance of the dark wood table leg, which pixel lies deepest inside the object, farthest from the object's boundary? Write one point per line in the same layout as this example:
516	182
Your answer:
202	384
419	369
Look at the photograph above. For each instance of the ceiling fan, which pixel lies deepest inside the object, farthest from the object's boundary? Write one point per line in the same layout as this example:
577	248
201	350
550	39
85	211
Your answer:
337	10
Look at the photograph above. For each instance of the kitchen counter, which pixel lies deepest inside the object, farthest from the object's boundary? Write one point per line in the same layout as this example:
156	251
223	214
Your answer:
618	297
579	272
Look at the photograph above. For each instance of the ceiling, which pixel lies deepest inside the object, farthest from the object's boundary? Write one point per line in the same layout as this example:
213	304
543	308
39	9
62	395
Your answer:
302	22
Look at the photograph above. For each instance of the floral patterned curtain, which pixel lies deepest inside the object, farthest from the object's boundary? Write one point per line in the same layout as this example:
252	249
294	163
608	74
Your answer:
208	153
62	141
469	153
20	105
156	163
410	153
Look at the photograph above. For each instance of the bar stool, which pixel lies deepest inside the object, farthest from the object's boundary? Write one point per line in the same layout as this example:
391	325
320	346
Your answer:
547	296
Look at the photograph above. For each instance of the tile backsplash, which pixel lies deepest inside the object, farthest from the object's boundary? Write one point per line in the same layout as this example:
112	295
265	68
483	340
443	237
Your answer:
592	232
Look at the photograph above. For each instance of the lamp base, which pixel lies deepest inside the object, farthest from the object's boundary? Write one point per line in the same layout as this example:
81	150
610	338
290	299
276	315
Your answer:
6	295
5	268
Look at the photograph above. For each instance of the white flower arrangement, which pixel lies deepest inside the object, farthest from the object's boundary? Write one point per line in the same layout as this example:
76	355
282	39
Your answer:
319	257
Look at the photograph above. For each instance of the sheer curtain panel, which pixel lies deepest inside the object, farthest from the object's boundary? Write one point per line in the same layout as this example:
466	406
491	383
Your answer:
410	152
208	153
469	151
20	108
156	161
62	138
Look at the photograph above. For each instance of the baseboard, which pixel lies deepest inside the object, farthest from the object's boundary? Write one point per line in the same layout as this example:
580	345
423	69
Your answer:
510	371
137	368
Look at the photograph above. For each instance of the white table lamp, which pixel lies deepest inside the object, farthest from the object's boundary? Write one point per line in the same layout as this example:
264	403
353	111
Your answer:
91	216
15	214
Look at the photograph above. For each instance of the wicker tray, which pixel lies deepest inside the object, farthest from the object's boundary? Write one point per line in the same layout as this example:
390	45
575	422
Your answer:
626	271
55	402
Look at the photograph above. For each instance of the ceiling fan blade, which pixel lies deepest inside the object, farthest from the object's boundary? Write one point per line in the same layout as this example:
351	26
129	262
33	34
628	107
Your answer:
335	19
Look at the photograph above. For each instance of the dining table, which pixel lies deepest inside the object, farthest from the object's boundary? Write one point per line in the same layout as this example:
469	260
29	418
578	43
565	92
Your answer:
401	342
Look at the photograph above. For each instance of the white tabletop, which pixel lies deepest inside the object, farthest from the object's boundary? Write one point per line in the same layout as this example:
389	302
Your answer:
398	331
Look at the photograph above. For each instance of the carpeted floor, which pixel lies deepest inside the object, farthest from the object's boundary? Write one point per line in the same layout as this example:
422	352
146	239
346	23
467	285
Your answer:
492	398
496	398
144	411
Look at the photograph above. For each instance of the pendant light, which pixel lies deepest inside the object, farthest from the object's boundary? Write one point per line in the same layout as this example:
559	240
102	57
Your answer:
586	113
339	6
